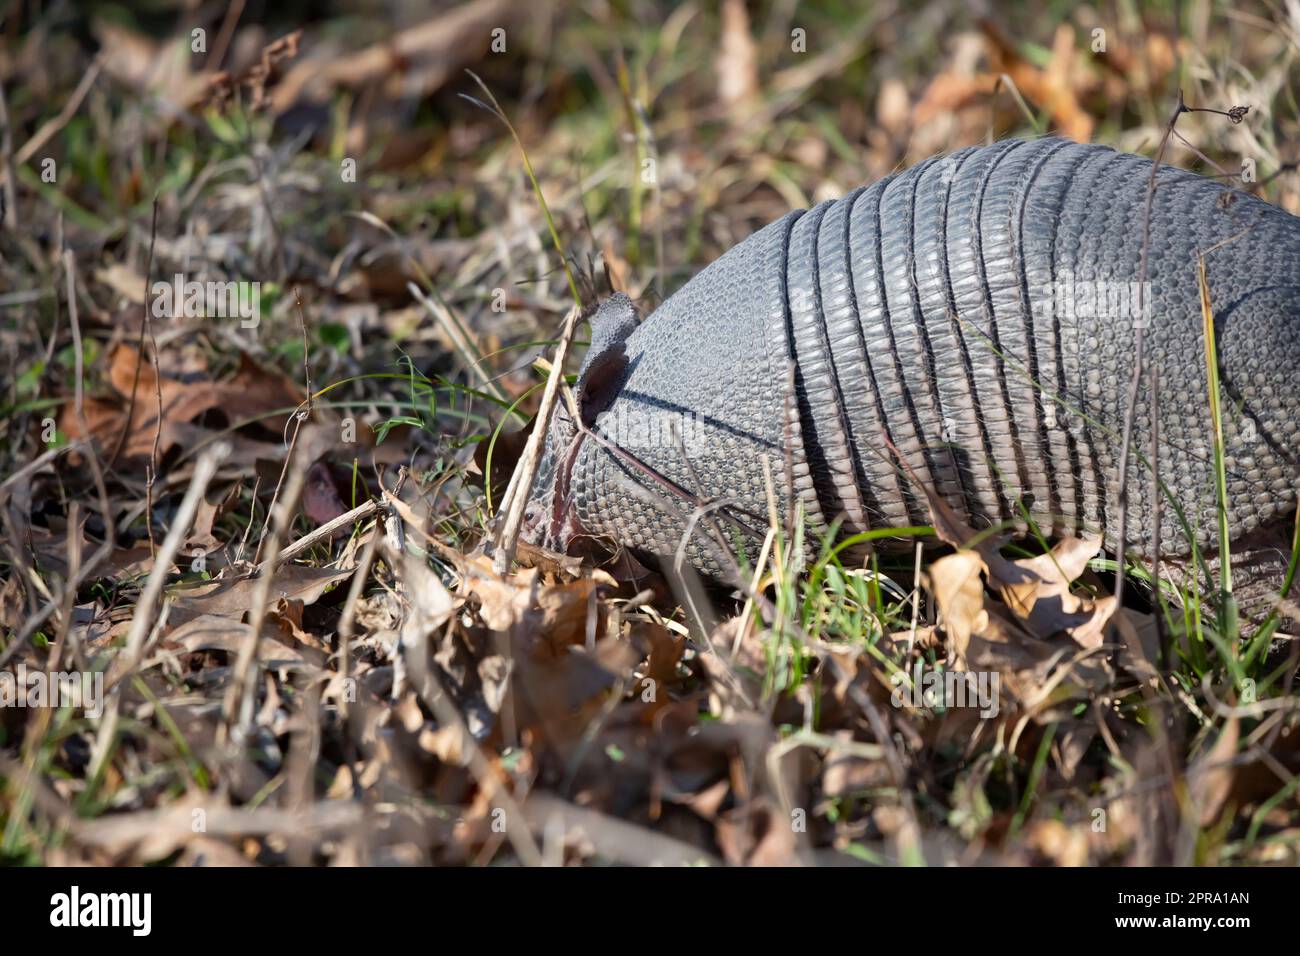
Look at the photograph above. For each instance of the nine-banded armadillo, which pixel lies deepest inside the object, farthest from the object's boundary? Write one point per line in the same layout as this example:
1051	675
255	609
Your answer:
977	313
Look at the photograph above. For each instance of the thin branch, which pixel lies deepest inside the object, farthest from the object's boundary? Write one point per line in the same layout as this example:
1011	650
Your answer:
521	482
241	691
1235	115
46	132
136	644
323	533
9	198
139	345
1139	355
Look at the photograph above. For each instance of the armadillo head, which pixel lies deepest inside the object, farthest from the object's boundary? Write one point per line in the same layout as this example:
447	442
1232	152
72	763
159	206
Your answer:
550	517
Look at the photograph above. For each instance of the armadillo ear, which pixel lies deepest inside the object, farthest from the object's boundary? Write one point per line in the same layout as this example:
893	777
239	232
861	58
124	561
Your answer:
606	359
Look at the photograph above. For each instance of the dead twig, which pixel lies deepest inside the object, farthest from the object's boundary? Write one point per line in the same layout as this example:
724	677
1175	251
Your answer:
9	197
241	691
516	496
1235	115
324	533
49	129
131	655
139	345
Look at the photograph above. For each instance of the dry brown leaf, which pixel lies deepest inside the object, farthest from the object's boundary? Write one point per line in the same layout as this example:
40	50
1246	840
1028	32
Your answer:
559	697
1036	590
412	63
1210	779
123	280
50	551
1140	637
609	837
1053	89
1072	744
259	77
1055	571
845	774
558	611
662	649
1060	843
959	591
985	635
201	539
320	497
757	834
251	393
893	106
157	68
950	92
1048	89
232	597
1044	599
245	453
448	744
211	632
737	60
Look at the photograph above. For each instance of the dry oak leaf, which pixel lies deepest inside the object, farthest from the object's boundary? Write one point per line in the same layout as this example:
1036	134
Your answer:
1036	590
985	635
252	393
211	632
958	588
556	612
1045	602
232	597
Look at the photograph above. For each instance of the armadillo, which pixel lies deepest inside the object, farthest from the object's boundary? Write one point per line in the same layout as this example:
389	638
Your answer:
966	326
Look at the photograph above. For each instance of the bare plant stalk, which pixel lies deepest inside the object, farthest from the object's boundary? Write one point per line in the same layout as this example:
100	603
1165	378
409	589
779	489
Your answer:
1154	388
1139	355
97	472
9	197
516	497
252	517
131	655
279	484
204	471
75	576
324	533
222	44
306	352
303	414
139	345
460	339
246	138
1236	114
48	129
152	475
241	691
453	324
347	621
